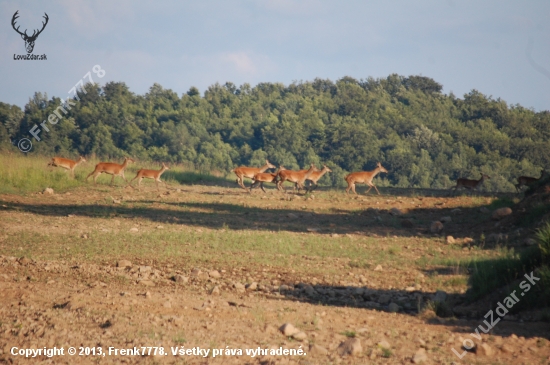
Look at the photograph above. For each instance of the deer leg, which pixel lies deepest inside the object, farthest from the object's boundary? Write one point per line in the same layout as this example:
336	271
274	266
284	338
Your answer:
112	179
262	186
370	187
376	189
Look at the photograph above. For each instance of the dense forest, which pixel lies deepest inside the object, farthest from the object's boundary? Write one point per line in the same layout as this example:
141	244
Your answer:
424	137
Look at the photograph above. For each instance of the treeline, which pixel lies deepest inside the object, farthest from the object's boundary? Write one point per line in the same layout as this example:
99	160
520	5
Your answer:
425	138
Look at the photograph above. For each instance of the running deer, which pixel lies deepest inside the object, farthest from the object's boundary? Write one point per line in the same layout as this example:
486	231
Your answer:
315	176
364	177
262	177
66	163
526	180
110	168
470	184
150	174
297	177
249	172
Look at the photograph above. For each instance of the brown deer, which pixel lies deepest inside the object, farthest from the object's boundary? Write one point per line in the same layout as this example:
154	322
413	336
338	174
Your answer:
297	177
110	168
262	177
315	176
150	174
470	184
249	172
364	177
526	180
66	163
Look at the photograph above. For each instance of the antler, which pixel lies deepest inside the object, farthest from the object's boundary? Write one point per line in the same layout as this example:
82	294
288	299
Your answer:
43	26
15	16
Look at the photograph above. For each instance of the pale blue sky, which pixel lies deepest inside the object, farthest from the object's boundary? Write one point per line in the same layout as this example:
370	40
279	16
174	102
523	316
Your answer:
463	44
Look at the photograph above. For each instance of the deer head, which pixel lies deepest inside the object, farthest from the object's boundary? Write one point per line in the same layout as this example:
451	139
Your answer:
29	40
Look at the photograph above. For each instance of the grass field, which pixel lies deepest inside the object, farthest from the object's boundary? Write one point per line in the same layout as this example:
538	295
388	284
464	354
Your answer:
326	239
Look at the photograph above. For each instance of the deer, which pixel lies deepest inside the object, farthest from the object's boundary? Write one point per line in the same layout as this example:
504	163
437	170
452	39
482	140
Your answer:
262	177
526	180
150	174
29	40
67	164
110	168
315	176
297	177
364	177
249	172
470	184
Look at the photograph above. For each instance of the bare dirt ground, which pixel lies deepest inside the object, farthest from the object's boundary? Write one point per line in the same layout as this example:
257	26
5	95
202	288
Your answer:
217	268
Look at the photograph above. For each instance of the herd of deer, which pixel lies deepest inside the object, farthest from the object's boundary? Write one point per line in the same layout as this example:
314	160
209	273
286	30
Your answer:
258	175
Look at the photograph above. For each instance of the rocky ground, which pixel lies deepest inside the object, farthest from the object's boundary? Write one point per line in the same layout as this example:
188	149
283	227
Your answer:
329	310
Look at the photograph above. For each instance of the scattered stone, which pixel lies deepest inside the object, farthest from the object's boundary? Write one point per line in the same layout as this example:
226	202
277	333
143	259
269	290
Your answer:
530	242
396	211
378	268
440	296
507	349
315	349
484	210
407	223
215	291
311	229
501	213
144	269
84	235
446	219
436	227
309	290
146	283
450	240
180	279
393	308
133	229
252	286
300	336
214	274
239	286
384	299
124	263
484	350
24	261
456	211
167	305
384	345
468	240
48	191
350	347
420	356
292	216
288	329
160	227
196	272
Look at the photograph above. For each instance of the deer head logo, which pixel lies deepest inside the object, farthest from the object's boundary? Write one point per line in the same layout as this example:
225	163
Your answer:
29	40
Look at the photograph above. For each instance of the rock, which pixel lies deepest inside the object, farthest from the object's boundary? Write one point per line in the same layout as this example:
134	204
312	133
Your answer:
446	219
484	210
239	286
24	261
312	229
384	299
300	336
167	305
501	213
315	349
396	211
215	291
484	350
146	283
48	191
450	240
288	329
436	227
507	349
124	263
393	308
181	279
468	240
378	268
350	347
456	211
144	269
309	290
292	216
84	235
420	356
252	286
214	274
384	345
133	229
196	272
530	242
440	296
407	223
